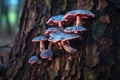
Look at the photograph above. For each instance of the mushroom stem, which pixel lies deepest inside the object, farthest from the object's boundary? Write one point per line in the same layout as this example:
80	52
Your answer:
42	47
68	48
50	45
60	25
60	46
68	42
78	20
76	32
50	58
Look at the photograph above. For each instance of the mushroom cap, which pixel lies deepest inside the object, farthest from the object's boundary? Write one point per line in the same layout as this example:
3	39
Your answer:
62	36
39	38
83	13
53	21
73	29
33	59
55	38
70	37
46	54
50	30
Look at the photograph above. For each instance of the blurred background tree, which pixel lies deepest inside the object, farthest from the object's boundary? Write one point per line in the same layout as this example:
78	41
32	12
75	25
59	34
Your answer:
10	12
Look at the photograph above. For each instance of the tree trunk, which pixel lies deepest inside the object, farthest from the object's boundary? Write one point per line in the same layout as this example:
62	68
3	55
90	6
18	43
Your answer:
98	51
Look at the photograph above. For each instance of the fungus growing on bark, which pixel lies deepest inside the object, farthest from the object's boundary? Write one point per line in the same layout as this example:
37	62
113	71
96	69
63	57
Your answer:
46	54
55	38
66	45
74	29
51	30
57	21
60	35
34	60
41	40
78	15
61	38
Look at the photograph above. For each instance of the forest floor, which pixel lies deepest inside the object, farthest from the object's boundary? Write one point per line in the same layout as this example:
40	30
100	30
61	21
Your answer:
6	42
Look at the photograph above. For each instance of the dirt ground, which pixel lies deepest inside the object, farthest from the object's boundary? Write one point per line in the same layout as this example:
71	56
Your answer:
6	42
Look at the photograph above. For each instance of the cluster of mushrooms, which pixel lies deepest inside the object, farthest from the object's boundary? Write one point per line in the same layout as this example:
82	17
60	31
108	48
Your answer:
60	35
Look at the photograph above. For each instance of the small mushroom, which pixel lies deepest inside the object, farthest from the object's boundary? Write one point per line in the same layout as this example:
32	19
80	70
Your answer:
74	29
41	40
78	14
46	54
51	30
57	21
34	60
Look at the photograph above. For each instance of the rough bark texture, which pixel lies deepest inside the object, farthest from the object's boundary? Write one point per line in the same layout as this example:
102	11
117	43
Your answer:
99	51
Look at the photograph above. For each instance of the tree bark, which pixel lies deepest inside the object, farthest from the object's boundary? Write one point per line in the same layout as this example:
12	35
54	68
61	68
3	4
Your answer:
98	51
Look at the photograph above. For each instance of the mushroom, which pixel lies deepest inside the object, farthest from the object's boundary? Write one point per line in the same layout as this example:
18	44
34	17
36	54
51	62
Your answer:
34	60
41	40
57	21
66	45
50	32
71	36
63	37
46	54
78	14
74	29
55	38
